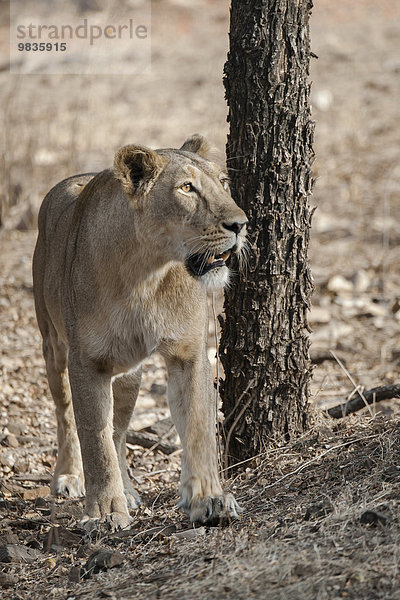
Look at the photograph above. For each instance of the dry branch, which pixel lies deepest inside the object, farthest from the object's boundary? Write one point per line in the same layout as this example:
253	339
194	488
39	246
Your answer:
359	401
149	440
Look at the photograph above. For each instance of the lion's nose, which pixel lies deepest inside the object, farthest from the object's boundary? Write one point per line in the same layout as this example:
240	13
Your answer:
235	226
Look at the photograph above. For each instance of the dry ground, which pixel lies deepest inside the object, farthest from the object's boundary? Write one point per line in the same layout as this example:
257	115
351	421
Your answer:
322	513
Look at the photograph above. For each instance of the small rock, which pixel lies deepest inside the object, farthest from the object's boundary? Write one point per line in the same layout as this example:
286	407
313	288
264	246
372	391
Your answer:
322	99
361	281
21	465
16	428
10	489
319	315
60	537
319	355
75	574
101	560
370	517
318	510
33	493
40	503
190	534
362	306
158	389
303	569
16	553
331	333
7	460
56	592
33	542
11	441
339	285
8	538
45	157
375	310
7	580
8	363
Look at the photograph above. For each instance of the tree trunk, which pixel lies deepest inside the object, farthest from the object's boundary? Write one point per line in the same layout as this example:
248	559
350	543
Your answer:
264	345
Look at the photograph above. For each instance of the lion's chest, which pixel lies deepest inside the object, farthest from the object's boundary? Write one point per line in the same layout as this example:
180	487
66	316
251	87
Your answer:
128	333
128	327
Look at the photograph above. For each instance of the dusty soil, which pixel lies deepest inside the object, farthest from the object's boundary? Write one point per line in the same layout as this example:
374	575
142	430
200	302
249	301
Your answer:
321	514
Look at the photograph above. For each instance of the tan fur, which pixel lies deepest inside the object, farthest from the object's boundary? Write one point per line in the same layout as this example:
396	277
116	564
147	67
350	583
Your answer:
111	287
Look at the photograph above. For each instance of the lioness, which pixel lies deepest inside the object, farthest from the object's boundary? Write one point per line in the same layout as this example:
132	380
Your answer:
121	266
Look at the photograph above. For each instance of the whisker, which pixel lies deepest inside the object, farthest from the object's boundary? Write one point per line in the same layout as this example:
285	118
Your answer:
235	157
206	256
232	169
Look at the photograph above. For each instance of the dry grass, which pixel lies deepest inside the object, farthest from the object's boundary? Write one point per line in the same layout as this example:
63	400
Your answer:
302	534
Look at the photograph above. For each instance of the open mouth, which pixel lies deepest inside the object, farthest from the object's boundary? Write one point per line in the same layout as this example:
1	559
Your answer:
200	264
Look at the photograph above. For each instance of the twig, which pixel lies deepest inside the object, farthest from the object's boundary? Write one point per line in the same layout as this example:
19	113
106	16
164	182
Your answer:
356	387
36	477
161	441
359	401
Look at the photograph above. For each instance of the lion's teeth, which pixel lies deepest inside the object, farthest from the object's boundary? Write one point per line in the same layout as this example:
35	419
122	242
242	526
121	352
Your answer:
226	255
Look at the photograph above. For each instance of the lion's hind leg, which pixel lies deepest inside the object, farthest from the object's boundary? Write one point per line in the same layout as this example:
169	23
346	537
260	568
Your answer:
68	477
125	391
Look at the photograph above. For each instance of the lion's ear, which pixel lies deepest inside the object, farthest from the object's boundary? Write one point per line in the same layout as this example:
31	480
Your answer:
137	168
198	145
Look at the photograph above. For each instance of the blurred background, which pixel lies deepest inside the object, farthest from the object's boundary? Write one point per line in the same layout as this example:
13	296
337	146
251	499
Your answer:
58	125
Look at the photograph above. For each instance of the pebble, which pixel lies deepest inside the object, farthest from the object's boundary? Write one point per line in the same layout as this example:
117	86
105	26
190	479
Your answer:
33	493
101	560
332	333
319	315
16	553
190	534
11	441
339	285
361	281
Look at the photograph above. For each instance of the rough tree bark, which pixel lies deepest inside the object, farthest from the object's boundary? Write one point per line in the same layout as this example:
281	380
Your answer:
264	345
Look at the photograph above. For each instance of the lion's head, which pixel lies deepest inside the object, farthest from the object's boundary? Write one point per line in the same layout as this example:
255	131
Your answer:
185	206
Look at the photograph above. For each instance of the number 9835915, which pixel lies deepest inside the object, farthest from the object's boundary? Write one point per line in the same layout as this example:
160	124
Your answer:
42	47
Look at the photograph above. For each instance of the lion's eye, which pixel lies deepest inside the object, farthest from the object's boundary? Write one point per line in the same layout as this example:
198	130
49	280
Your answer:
187	187
225	183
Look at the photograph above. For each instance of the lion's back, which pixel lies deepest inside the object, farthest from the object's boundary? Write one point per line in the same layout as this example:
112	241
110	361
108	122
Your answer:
59	202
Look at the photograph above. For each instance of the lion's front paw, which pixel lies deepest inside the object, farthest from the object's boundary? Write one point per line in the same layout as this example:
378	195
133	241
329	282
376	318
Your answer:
68	485
214	510
106	509
111	522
